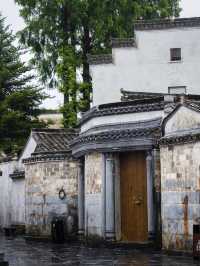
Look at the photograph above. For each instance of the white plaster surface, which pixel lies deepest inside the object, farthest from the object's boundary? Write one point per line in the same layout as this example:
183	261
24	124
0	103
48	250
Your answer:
123	118
148	68
183	119
93	214
28	150
12	200
12	197
18	201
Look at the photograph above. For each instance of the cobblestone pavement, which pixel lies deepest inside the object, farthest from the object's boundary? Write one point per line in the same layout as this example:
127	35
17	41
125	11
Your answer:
21	253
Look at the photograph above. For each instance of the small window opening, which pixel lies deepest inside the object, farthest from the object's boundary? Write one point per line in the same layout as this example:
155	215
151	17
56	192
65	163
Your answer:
175	54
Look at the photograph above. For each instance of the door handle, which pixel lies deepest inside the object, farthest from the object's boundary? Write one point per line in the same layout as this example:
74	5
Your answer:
137	202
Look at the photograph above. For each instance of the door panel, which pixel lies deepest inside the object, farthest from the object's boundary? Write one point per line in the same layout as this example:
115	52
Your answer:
134	223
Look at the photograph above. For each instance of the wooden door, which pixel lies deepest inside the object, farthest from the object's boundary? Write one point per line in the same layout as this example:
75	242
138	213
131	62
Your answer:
134	221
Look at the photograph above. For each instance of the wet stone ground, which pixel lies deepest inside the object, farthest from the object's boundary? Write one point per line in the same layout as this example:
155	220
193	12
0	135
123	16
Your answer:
21	253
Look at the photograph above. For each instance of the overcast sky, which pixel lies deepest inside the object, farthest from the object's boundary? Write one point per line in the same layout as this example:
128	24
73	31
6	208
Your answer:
191	8
11	12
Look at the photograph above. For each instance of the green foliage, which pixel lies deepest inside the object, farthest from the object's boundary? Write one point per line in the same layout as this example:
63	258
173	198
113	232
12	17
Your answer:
66	71
61	33
19	101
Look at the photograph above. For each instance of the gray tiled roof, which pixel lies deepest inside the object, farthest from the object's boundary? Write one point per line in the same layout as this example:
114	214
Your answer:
136	106
17	174
100	59
181	137
160	24
52	140
134	95
118	137
123	42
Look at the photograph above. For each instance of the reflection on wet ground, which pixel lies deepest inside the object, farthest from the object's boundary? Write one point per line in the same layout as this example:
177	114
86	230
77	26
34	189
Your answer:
21	253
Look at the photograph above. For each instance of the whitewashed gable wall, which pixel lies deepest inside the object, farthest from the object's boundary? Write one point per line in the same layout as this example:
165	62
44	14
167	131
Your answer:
148	68
183	119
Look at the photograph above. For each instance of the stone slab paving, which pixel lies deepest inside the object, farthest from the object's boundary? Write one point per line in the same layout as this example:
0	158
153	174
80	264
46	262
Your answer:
21	253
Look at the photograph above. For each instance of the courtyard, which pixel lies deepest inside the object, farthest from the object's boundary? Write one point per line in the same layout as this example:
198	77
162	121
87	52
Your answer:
22	253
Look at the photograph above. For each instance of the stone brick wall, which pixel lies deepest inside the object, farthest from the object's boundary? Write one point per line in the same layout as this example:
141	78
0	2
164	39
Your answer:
44	180
93	173
93	193
180	188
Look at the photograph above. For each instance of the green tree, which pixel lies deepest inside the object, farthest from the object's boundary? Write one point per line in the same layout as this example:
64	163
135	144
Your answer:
19	100
62	29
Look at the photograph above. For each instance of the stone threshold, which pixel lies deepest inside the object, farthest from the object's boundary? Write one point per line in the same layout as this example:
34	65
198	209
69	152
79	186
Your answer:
178	253
132	245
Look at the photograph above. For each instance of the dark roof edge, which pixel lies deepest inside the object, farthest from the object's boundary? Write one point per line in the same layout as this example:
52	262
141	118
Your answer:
123	42
8	159
55	130
17	175
160	24
52	153
45	111
135	106
100	59
131	103
47	157
115	126
179	139
115	140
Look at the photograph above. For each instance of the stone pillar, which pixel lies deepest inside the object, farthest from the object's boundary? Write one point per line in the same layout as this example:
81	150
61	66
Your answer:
157	197
110	198
150	201
81	198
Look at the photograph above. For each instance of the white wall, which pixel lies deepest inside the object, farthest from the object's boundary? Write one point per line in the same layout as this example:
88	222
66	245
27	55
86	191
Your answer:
6	187
12	200
183	119
148	67
122	118
12	196
18	201
28	150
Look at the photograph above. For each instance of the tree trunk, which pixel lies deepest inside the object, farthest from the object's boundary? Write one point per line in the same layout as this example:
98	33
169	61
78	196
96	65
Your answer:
86	69
65	25
86	50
